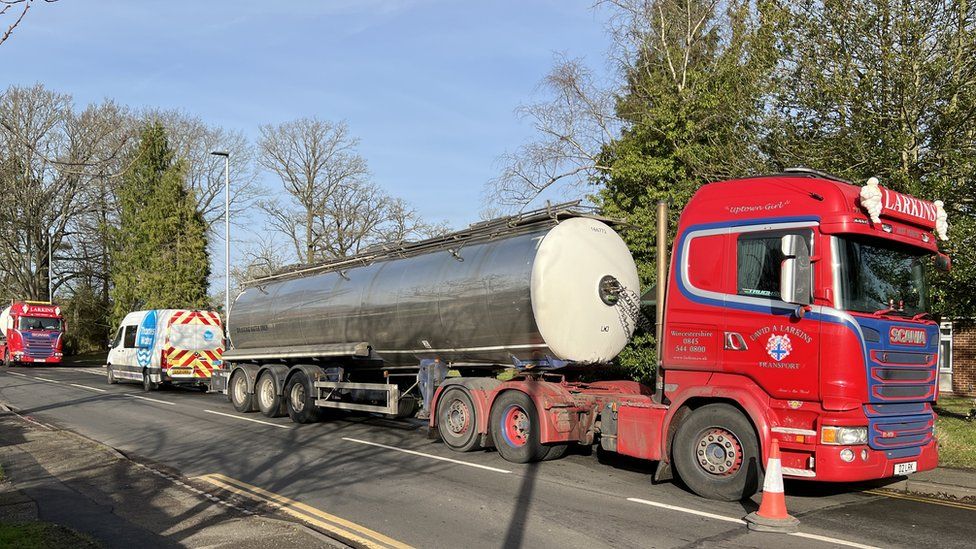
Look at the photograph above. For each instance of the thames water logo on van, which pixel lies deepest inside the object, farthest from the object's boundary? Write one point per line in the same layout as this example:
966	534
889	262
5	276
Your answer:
208	336
145	339
906	336
779	347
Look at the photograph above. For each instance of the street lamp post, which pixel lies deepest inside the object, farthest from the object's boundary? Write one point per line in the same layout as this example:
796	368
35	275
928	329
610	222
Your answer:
226	156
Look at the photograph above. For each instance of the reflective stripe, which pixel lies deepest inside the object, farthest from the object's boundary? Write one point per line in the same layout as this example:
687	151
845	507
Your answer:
774	477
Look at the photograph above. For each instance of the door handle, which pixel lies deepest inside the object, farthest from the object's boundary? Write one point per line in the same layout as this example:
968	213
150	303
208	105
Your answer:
735	342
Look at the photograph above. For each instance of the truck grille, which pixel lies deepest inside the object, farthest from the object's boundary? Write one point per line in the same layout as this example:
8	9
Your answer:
38	346
899	429
902	376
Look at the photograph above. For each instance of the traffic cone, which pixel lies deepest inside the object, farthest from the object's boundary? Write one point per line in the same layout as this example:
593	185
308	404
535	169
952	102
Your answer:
772	515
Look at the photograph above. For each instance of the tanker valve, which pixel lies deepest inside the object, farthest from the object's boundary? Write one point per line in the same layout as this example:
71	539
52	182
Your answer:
610	290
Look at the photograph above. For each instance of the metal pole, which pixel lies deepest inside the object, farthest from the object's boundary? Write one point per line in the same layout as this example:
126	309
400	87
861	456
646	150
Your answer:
662	284
226	236
50	271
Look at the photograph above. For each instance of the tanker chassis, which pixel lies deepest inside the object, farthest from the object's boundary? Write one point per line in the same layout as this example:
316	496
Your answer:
795	308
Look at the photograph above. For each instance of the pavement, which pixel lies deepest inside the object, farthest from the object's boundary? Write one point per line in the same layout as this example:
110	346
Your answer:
60	477
384	481
942	482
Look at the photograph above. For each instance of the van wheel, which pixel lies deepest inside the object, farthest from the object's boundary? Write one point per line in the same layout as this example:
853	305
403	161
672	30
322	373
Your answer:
147	382
300	399
457	420
716	453
110	375
270	402
237	391
515	428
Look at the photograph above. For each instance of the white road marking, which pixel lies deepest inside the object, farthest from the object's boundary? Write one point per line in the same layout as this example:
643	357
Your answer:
150	399
87	387
431	456
18	374
45	379
280	426
816	537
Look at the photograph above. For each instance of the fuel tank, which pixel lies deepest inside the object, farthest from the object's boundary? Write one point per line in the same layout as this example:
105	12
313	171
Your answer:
558	286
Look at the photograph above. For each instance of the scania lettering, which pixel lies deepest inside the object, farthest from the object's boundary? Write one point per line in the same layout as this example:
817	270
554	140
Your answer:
31	332
794	307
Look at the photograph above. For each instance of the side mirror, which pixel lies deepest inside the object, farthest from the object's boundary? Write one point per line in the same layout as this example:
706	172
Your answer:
796	273
943	262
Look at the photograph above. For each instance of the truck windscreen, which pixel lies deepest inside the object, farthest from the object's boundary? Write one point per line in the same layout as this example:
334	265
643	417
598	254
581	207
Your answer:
876	276
39	323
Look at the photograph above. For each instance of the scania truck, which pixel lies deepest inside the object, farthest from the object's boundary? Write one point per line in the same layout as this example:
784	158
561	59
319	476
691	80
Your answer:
794	308
31	332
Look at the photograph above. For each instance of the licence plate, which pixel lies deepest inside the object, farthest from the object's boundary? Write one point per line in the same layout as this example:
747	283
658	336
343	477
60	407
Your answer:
180	372
906	468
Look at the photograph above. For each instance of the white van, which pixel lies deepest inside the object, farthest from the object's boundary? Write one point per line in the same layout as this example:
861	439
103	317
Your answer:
173	346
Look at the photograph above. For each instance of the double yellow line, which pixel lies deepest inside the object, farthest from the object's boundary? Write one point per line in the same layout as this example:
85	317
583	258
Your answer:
921	499
348	532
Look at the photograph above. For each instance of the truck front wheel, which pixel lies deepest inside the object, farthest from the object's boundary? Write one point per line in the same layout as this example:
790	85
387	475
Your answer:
300	399
515	428
457	420
716	453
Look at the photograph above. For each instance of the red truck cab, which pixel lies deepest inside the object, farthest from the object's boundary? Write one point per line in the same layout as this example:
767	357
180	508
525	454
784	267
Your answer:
845	380
31	332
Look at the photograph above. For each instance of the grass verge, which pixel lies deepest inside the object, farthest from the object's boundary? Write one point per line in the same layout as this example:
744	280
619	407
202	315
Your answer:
957	437
41	535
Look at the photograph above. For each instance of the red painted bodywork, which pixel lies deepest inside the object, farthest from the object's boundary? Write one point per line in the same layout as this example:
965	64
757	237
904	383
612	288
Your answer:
15	343
827	374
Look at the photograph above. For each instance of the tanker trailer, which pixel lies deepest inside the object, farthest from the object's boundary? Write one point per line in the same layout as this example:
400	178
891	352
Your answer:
537	291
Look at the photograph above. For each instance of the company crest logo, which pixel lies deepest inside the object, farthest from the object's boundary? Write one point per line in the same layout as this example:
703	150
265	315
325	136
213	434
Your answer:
779	346
907	336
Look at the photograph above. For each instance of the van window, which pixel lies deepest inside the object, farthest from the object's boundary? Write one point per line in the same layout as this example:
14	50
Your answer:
130	337
194	337
118	337
759	259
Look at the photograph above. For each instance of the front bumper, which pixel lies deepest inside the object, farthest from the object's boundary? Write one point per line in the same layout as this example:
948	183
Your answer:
829	467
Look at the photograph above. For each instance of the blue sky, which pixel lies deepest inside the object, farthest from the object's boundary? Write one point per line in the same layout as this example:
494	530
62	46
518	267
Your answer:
429	86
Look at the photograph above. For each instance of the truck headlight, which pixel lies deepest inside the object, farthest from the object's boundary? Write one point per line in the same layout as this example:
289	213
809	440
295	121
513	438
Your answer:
847	436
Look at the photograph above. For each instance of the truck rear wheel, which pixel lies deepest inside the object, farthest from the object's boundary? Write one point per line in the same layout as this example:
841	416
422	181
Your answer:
237	391
457	420
716	453
515	428
300	399
270	402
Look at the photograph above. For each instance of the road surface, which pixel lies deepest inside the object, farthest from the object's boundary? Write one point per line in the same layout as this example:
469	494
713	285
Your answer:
386	477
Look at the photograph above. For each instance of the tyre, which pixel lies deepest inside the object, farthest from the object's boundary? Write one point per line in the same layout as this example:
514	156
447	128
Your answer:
6	358
716	453
110	375
147	383
242	400
457	420
515	428
300	399
555	451
269	400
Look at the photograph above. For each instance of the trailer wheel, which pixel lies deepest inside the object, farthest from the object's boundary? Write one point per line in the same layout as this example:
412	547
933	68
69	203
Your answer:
300	399
270	402
515	428
110	375
237	391
457	420
716	453
147	383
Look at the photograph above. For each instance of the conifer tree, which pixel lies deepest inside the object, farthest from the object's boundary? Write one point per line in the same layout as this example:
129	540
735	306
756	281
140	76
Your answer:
160	256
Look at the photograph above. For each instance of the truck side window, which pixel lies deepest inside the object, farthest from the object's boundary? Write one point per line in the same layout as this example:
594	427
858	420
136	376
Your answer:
759	259
130	337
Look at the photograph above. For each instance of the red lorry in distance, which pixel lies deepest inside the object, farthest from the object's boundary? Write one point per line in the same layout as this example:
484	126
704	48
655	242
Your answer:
31	332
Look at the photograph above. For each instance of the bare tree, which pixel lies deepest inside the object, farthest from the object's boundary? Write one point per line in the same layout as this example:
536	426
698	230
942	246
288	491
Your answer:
572	126
18	9
314	159
192	140
260	258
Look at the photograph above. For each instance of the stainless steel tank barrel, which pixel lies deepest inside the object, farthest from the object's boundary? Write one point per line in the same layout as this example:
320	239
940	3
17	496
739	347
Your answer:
544	284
